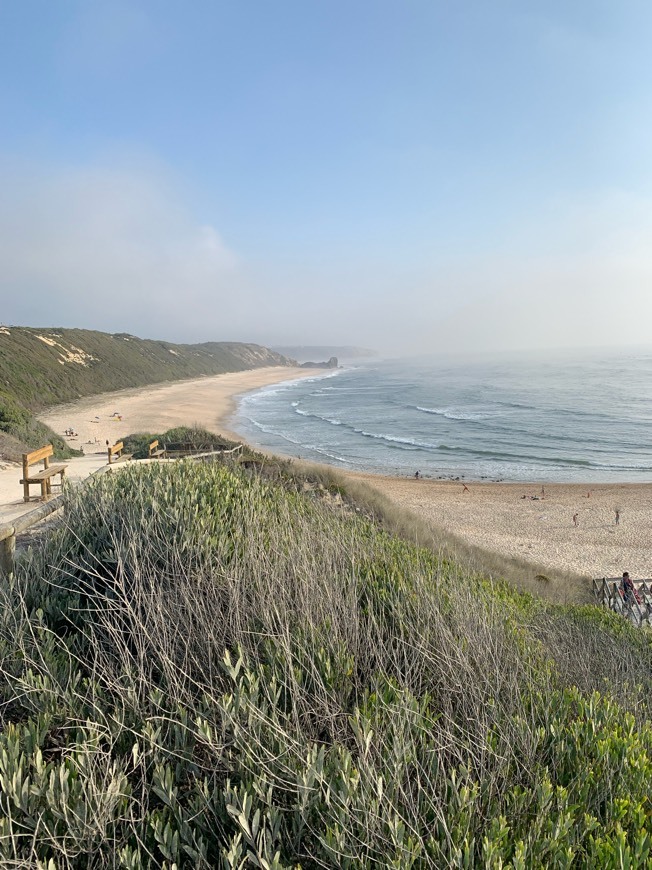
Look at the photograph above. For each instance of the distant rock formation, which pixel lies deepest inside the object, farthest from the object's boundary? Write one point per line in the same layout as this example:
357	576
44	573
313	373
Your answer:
302	353
331	364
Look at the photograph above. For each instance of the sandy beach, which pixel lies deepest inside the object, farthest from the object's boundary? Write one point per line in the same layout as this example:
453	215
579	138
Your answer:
207	402
539	529
493	516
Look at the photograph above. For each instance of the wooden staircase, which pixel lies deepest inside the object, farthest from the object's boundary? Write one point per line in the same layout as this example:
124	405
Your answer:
608	592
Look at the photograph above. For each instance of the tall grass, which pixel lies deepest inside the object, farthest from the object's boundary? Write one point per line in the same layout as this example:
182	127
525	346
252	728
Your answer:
204	668
556	585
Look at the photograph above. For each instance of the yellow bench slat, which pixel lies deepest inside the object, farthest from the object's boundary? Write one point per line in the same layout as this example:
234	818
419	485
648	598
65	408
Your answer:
43	475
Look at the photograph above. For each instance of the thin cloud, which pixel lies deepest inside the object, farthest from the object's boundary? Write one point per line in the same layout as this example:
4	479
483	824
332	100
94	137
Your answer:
105	247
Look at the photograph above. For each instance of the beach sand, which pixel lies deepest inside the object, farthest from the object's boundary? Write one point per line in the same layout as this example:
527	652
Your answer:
496	517
492	516
207	402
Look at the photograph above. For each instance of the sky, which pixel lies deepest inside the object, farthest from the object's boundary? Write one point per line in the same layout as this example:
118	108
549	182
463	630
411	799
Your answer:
413	176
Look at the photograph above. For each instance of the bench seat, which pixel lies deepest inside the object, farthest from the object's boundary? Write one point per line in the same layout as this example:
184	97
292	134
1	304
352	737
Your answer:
115	453
41	474
156	452
44	474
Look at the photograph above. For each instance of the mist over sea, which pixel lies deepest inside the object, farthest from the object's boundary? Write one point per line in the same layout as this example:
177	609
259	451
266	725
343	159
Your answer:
525	418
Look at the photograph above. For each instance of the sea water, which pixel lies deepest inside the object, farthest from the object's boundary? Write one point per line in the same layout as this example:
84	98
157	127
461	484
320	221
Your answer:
573	418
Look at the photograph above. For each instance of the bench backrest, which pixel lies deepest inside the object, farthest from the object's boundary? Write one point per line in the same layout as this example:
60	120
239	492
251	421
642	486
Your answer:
116	449
43	453
153	446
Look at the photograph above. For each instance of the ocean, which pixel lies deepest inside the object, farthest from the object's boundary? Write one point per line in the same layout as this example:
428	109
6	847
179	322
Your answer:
575	418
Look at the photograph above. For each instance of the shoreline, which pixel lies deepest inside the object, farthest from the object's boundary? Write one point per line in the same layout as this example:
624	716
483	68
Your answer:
491	515
209	402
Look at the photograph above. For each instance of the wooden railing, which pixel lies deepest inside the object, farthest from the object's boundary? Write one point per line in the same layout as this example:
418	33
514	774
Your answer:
8	531
637	608
179	450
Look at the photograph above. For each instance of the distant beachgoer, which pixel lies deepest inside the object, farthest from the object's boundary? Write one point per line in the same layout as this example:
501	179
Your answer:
575	523
617	516
416	475
543	492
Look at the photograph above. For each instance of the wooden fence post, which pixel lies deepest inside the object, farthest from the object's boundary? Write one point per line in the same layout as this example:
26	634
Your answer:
7	554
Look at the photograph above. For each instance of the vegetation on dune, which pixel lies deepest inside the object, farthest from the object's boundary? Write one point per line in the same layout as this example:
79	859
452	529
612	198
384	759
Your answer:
50	366
21	432
192	438
43	367
205	668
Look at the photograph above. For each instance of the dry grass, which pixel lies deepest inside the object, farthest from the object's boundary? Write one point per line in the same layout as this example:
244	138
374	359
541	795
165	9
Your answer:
562	587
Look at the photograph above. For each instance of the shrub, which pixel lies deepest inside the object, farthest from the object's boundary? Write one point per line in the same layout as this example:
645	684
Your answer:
205	668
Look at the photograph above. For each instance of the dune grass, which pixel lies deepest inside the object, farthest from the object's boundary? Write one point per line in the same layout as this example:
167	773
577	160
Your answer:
206	668
562	587
21	432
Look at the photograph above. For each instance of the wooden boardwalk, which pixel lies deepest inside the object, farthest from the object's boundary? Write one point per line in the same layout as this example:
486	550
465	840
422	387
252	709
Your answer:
637	608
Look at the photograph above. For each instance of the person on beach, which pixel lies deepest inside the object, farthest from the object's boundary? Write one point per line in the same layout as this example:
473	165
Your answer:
543	492
627	587
617	516
416	475
575	523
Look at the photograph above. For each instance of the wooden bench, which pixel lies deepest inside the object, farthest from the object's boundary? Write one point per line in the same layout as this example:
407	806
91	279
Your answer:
43	476
116	453
156	452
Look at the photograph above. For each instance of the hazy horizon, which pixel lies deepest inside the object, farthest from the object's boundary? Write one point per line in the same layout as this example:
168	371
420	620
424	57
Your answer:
409	177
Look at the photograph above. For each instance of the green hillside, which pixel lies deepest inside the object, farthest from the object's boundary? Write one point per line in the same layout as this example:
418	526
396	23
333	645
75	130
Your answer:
208	668
44	367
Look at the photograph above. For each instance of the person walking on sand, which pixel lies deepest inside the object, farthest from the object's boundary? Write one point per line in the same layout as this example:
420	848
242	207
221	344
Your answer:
416	475
617	516
575	523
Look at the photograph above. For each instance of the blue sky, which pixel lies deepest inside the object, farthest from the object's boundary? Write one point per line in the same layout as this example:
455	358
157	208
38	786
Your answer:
414	175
